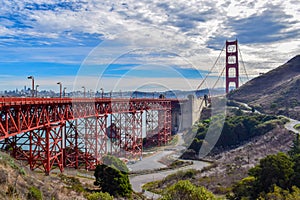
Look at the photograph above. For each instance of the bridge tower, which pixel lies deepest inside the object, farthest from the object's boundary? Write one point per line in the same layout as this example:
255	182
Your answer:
232	64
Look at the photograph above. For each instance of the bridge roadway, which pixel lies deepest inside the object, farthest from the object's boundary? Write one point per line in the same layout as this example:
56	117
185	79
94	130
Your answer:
77	132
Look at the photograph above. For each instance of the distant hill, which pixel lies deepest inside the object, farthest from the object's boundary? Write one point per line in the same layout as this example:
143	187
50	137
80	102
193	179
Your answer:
276	92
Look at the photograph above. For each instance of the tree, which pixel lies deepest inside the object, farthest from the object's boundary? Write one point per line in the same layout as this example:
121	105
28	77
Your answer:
273	170
279	193
184	189
273	107
296	147
243	188
99	196
115	162
113	181
296	180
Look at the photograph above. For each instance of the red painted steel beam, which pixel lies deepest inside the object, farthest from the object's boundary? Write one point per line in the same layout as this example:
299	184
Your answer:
26	114
73	132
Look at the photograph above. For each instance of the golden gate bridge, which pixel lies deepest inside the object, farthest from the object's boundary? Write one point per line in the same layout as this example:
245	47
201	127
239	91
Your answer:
78	132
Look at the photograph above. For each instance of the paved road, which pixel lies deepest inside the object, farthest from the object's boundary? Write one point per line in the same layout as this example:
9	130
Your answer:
138	181
290	125
152	162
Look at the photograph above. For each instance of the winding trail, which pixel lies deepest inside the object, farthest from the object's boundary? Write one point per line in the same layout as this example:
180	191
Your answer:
290	125
152	162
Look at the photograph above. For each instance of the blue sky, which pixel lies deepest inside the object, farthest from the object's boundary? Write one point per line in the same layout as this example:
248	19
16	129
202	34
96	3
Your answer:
126	45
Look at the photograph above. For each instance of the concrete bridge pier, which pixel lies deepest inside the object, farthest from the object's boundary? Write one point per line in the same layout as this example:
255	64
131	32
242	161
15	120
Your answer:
186	112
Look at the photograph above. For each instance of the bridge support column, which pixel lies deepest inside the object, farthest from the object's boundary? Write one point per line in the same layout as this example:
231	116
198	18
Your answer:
114	133
158	125
151	127
46	148
95	140
41	148
86	142
126	134
164	128
133	135
73	146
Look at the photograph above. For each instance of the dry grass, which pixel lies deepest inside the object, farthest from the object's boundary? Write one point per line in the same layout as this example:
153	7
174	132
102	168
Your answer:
16	180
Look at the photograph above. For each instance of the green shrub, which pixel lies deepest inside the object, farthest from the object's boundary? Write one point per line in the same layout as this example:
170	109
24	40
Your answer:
115	162
297	126
235	129
99	196
72	182
186	190
182	175
34	194
113	181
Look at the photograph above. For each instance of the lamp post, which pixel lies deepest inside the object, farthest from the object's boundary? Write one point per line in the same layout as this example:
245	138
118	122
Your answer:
60	89
32	87
83	91
36	90
64	93
102	92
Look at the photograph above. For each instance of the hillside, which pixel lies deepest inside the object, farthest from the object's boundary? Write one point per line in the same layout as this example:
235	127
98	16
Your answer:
18	182
275	92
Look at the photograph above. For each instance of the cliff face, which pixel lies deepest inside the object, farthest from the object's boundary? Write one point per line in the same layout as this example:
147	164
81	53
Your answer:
276	92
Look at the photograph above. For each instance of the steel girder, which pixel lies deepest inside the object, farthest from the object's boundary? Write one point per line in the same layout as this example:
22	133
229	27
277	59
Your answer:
74	132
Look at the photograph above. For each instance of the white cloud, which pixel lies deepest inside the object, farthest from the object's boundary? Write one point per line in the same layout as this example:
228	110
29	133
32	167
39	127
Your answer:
190	29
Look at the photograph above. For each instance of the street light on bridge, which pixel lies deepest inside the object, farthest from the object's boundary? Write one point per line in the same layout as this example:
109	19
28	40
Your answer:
36	90
64	91
102	92
83	91
32	87
60	89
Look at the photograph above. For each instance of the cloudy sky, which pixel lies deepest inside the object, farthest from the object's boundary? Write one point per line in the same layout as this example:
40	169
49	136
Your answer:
128	45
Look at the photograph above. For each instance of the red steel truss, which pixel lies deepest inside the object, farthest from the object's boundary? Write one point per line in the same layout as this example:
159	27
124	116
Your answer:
64	132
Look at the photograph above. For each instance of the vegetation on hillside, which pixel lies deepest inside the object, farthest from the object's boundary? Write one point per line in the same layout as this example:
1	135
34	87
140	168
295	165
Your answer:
115	162
297	127
276	177
236	129
178	186
184	189
275	92
111	179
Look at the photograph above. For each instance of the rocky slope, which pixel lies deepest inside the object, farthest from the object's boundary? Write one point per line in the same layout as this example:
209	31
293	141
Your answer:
275	92
18	182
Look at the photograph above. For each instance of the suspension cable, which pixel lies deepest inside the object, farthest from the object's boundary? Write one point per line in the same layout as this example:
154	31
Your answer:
214	65
219	78
243	64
